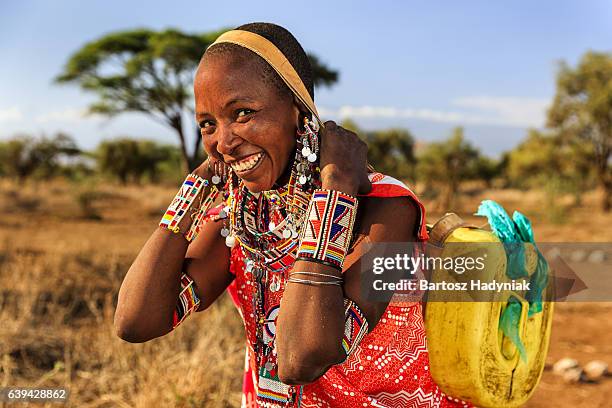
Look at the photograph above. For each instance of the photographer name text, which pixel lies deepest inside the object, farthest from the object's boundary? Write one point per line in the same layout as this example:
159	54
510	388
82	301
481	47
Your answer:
472	285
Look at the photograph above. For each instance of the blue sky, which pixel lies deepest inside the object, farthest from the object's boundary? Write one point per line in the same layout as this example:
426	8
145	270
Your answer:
488	66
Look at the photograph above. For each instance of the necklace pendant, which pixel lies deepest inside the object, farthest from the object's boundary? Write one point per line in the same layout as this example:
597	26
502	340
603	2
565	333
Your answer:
275	286
287	233
230	241
271	226
306	151
312	157
302	179
216	179
224	232
274	199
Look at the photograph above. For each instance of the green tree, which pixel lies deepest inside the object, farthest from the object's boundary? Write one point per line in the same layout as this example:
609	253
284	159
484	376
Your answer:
130	159
443	166
487	169
25	156
542	159
391	152
151	72
534	160
582	111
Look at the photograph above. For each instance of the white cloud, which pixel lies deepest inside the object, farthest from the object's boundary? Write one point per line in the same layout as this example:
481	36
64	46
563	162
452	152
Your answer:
64	115
10	114
484	110
521	112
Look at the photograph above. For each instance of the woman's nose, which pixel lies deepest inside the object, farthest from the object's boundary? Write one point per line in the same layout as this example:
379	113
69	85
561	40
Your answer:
228	141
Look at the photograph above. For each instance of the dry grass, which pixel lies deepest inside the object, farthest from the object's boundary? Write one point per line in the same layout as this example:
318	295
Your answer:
61	268
60	272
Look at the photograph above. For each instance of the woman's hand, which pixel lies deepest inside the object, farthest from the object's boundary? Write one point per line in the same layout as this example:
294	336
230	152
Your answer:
210	167
343	163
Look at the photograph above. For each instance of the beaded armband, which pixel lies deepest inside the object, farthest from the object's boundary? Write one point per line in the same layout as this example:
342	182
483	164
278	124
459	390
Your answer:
355	326
326	234
188	301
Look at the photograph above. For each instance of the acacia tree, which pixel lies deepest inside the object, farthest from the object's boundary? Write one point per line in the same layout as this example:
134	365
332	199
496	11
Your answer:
151	72
582	111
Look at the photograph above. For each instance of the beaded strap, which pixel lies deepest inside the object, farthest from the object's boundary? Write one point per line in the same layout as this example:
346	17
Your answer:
327	232
188	300
355	326
182	202
200	216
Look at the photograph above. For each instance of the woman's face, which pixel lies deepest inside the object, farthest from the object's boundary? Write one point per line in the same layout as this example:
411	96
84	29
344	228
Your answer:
245	121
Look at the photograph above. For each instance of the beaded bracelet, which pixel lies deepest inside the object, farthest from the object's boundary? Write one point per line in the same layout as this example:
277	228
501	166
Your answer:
182	202
188	301
326	235
185	203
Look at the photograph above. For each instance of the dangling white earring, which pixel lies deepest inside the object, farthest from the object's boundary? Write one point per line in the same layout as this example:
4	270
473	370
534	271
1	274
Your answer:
309	151
224	174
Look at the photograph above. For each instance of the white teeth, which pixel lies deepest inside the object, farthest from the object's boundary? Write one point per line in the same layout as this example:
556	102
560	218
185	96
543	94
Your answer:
247	164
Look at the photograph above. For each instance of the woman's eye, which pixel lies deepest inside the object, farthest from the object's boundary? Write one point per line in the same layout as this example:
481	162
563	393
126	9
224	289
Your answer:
243	112
204	125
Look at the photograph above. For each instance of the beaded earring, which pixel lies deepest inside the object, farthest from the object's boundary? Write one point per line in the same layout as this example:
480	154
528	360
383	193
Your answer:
309	151
223	175
226	231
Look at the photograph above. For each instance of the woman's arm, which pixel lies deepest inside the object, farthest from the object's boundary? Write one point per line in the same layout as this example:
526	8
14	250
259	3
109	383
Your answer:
312	319
150	290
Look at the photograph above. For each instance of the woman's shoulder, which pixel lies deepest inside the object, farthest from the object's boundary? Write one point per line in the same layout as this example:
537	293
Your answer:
392	209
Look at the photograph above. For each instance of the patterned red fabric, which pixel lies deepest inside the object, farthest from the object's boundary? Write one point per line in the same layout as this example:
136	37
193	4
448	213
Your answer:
388	369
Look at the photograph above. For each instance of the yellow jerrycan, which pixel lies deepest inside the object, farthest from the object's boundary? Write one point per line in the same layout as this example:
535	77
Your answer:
470	357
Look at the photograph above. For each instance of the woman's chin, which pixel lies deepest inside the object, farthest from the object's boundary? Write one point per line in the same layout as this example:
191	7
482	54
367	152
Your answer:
258	184
256	187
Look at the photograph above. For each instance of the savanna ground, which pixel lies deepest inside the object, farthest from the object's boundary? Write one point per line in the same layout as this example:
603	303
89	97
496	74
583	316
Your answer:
64	250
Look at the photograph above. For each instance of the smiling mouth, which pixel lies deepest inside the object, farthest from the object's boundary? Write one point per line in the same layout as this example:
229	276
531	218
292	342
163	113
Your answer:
247	164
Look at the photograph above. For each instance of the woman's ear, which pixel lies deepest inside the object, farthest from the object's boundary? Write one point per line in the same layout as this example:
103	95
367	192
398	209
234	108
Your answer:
300	105
301	110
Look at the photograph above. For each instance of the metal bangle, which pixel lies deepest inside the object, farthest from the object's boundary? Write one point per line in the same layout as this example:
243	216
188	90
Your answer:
314	283
324	275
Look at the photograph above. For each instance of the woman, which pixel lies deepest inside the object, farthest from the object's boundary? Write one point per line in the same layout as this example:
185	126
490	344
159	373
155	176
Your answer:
298	207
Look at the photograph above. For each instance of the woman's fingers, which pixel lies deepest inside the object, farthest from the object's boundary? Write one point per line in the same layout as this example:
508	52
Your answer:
343	159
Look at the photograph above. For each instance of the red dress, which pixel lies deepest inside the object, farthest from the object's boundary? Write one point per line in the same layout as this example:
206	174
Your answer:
389	368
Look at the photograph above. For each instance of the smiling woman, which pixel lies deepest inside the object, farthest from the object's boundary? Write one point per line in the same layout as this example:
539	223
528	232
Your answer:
299	205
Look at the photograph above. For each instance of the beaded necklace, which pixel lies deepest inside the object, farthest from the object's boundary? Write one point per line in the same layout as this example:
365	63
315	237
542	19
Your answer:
267	227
